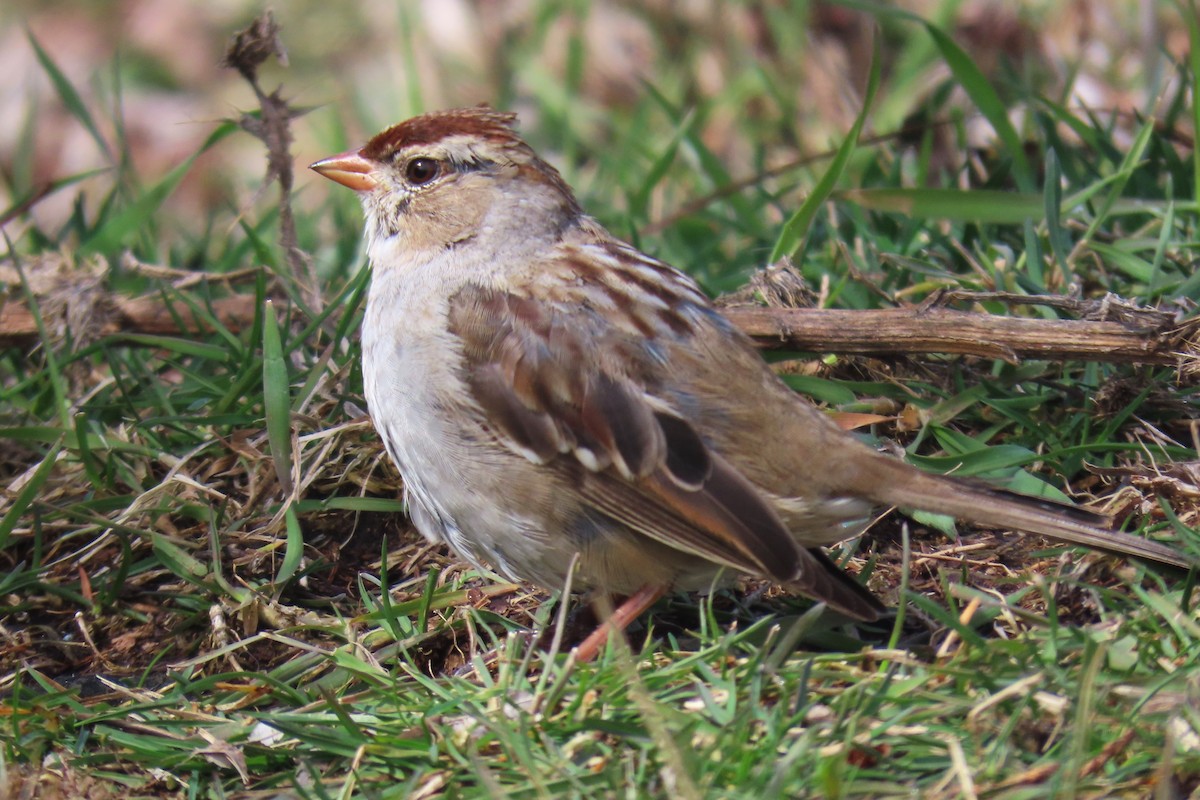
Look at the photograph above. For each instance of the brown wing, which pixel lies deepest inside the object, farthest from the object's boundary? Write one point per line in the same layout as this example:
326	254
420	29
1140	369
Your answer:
532	370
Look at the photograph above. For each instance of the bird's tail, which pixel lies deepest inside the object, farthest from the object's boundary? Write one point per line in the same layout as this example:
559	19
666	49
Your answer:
900	484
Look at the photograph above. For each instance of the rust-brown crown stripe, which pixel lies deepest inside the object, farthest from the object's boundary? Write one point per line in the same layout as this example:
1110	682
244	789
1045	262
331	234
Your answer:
429	129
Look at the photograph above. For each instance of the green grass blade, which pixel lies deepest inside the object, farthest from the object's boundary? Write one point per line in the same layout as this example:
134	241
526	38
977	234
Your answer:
977	87
70	98
1193	26
178	560
991	205
969	205
187	347
1154	286
658	170
277	399
1137	268
23	499
115	232
293	550
31	198
821	389
791	236
377	505
1057	236
1121	179
21	159
86	457
980	462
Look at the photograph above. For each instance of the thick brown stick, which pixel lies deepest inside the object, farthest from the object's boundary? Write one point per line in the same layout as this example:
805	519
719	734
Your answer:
939	330
148	315
887	332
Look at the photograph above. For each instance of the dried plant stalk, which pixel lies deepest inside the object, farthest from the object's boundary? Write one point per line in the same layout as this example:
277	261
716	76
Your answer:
917	330
899	331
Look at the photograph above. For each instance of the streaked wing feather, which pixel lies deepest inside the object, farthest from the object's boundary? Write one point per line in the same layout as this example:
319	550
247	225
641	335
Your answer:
652	518
533	433
622	425
688	463
734	518
634	461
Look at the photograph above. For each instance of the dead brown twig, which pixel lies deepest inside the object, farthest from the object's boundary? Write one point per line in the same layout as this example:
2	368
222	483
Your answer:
246	53
1045	772
913	329
144	315
1125	334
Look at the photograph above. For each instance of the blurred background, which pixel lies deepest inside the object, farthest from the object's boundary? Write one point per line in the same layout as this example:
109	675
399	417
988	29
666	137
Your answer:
744	88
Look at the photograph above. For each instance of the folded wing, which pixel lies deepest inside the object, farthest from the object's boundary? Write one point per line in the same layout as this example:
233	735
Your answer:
633	458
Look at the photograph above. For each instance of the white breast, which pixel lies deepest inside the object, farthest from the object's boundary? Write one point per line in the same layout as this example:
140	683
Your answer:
409	368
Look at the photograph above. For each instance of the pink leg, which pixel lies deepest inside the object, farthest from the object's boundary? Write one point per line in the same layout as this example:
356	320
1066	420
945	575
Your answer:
624	614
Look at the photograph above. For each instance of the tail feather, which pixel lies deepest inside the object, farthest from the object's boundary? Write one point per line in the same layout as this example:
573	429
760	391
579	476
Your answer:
821	579
978	503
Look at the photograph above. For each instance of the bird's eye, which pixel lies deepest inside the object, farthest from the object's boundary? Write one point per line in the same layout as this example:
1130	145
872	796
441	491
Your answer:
420	171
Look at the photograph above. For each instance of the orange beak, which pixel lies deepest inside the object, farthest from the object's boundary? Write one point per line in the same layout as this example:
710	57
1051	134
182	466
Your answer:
349	169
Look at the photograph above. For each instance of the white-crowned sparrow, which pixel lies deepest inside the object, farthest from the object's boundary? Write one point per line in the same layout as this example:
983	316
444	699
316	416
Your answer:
549	392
